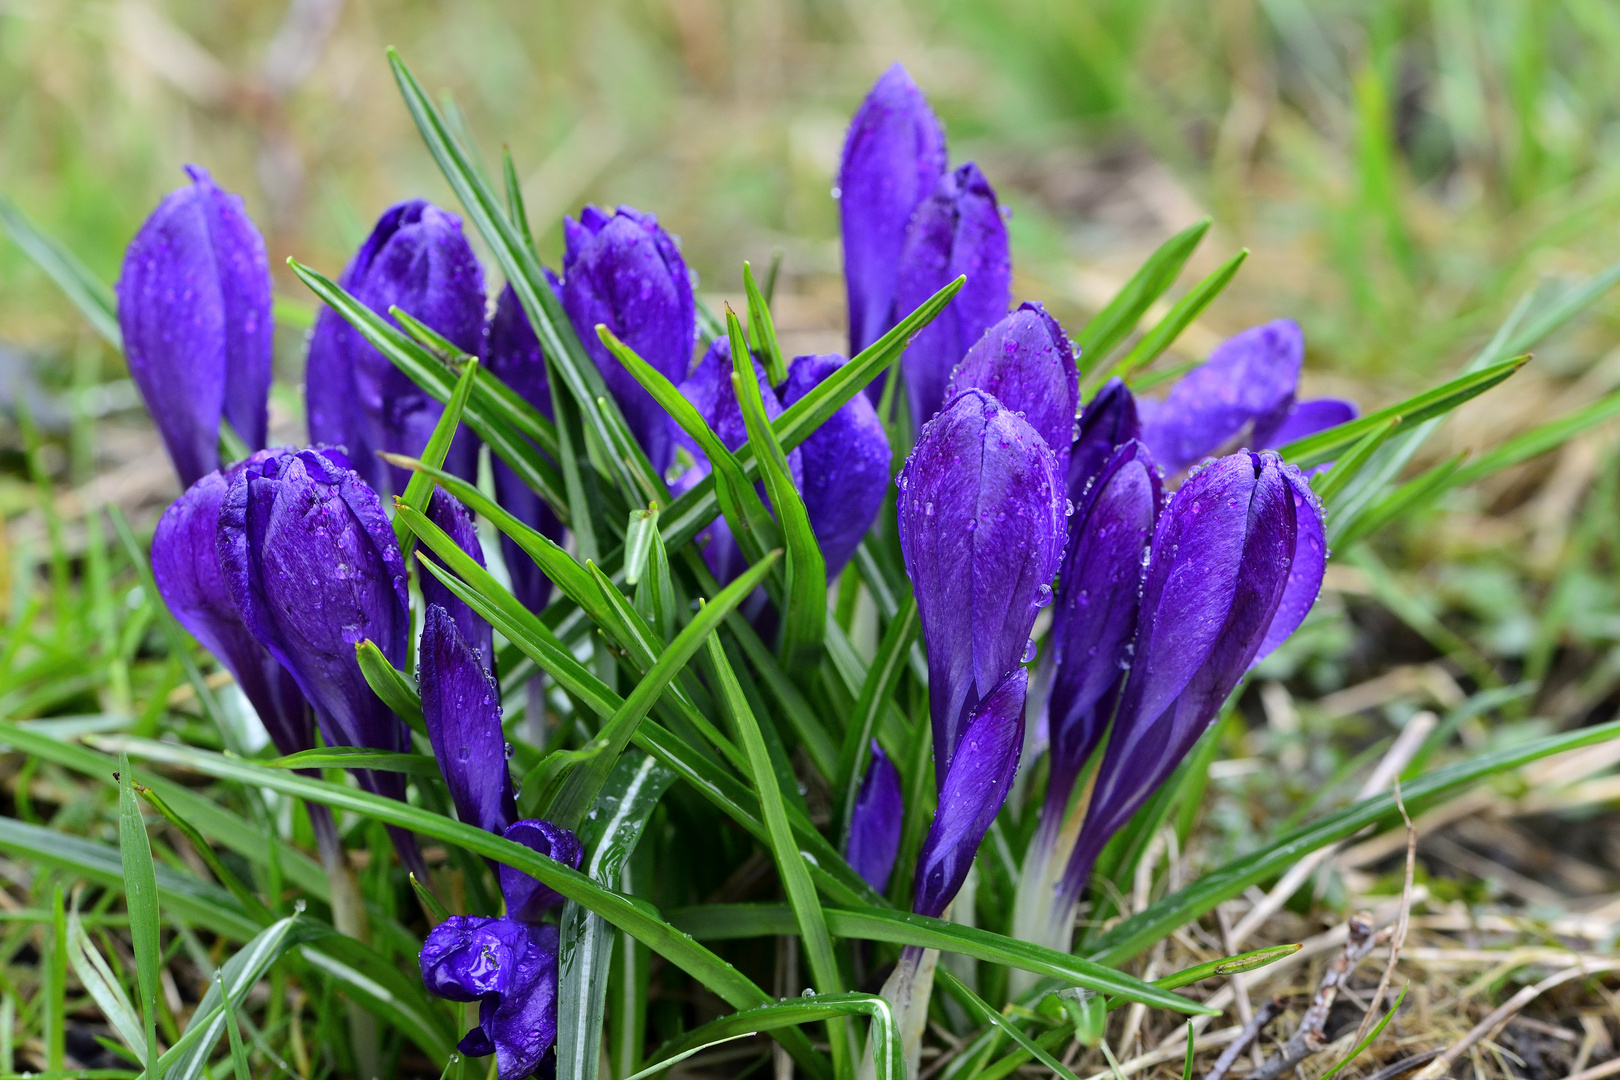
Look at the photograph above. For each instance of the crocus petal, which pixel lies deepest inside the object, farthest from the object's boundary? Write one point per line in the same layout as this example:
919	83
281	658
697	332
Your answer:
1308	566
874	827
1249	380
185	565
525	897
624	271
332	404
468	957
510	968
415	259
1220	562
845	463
894	155
974	787
1095	620
447	512
981	523
1307	418
521	1023
957	230
461	703
1025	361
1109	421
194	308
515	358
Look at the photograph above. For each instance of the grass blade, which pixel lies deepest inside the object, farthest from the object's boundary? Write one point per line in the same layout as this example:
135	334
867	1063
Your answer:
141	897
1114	323
962	993
104	988
1179	317
420	487
762	327
358	757
1420	489
1330	483
396	689
876	693
1372	1035
245	896
885	1034
89	293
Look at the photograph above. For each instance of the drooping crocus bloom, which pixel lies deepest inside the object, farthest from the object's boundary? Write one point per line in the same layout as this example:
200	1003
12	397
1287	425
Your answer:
845	463
623	271
447	512
515	358
894	155
1025	361
1220	585
710	391
509	964
194	308
874	824
957	230
415	259
1244	393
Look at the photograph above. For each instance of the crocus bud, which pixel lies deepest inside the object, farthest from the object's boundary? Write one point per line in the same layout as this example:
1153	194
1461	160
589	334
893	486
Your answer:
447	512
194	308
510	968
894	155
1025	361
1245	393
710	391
416	259
515	358
845	463
874	823
1108	421
981	522
461	704
186	567
623	271
1220	566
957	230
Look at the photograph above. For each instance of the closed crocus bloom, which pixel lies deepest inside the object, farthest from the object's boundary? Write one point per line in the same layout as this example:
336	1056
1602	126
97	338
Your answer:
845	464
447	512
461	704
1221	562
874	824
194	308
515	358
957	230
894	155
1108	421
623	271
510	968
186	567
525	897
415	259
1025	361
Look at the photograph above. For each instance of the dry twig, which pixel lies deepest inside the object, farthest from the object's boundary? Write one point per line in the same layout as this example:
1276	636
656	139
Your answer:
1311	1036
1398	935
1249	1036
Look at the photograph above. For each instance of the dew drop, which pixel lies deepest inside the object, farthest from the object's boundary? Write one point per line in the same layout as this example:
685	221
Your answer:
1029	651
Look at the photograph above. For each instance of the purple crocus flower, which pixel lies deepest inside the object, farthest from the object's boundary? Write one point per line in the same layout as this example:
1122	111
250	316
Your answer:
186	567
874	824
1026	362
709	389
845	463
461	704
894	155
624	271
515	358
447	512
1221	564
194	308
956	230
510	968
981	521
415	259
1108	422
1246	391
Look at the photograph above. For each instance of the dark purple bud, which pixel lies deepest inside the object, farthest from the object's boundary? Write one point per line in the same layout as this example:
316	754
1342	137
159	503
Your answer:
874	825
845	462
461	703
515	358
981	521
185	564
1108	421
1307	418
1025	361
1246	389
1220	563
447	512
623	271
957	230
526	898
194	307
312	565
974	787
510	967
710	391
1095	620
416	259
894	155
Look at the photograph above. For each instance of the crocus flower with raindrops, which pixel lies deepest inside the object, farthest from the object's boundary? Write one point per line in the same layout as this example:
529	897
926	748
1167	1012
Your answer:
623	271
418	260
194	308
447	512
874	825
